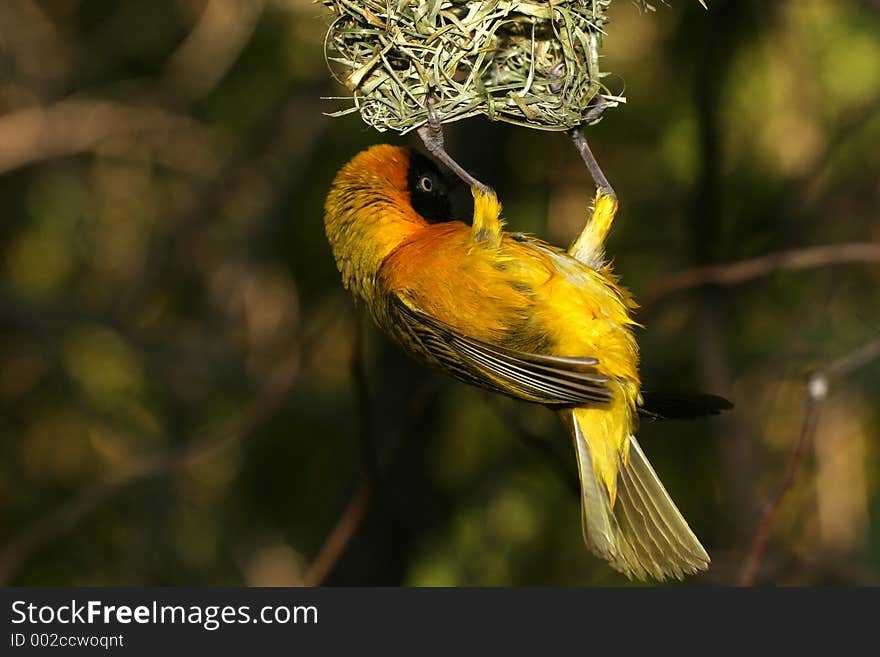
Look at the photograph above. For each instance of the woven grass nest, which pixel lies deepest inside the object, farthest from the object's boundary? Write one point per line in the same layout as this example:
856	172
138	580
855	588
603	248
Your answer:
528	62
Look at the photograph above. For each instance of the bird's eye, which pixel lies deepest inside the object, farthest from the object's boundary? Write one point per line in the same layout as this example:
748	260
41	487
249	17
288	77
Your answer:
426	184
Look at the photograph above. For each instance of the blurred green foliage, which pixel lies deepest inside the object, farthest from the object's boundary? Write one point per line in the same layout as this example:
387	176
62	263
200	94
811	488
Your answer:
177	398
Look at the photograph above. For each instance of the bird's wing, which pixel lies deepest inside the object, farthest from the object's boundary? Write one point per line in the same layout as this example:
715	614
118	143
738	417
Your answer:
550	380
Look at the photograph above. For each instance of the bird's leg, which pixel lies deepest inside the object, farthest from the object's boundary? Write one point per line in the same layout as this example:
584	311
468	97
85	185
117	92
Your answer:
599	105
432	136
580	142
589	247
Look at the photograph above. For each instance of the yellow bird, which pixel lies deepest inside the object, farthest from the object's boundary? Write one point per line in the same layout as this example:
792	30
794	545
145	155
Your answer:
512	314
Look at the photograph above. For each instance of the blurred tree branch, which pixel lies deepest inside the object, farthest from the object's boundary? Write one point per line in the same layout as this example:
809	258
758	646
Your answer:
728	275
353	515
374	478
279	145
239	429
75	125
720	43
816	392
803	194
211	48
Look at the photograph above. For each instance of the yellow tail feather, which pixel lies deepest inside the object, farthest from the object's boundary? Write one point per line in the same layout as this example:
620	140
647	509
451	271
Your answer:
641	534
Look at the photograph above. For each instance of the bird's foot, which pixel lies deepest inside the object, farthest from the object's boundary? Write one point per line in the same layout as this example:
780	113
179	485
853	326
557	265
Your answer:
432	136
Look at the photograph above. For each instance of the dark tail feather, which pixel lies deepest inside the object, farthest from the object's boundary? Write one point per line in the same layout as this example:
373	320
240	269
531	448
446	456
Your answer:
681	405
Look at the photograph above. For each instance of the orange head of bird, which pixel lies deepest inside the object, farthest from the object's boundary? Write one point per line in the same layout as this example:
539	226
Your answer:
379	200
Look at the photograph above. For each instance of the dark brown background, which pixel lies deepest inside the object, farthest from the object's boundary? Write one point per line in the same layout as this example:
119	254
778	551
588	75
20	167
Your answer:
178	403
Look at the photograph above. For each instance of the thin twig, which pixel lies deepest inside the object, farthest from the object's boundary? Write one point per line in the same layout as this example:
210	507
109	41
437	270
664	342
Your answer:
853	361
338	539
808	430
817	391
728	275
350	520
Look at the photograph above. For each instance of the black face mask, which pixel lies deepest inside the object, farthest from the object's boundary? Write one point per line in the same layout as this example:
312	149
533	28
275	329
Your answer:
437	195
